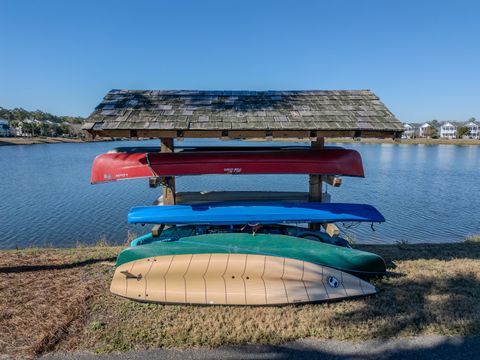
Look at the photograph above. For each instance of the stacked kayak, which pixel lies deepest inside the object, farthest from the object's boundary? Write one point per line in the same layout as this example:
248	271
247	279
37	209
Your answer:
240	269
338	257
254	213
176	232
248	252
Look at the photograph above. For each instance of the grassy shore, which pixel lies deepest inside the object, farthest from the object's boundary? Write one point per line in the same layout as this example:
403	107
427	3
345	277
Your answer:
43	140
58	300
419	141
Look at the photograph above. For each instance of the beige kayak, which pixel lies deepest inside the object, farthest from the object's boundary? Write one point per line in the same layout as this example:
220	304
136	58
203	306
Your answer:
233	279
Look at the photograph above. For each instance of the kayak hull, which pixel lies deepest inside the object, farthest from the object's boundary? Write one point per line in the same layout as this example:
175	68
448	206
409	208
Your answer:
254	213
233	279
338	257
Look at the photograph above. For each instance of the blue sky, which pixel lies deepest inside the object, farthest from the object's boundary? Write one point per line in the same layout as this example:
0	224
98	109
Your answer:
421	57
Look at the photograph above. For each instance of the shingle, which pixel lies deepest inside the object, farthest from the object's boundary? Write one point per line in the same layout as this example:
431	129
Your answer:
164	107
208	126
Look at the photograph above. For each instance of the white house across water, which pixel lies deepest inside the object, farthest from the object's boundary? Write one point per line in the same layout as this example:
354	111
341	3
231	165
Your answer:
473	130
425	130
409	131
448	130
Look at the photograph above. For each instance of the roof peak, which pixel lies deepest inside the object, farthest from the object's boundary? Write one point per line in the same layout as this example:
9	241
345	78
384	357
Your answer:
192	92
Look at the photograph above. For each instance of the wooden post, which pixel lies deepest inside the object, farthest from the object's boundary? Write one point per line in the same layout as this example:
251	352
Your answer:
331	229
169	187
335	181
315	192
166	145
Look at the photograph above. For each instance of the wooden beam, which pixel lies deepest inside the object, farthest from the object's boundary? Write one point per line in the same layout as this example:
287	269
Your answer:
246	134
113	133
331	229
155	181
169	184
335	133
157	230
202	134
280	134
157	133
334	181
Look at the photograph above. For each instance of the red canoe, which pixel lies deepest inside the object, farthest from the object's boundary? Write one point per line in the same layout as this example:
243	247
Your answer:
119	166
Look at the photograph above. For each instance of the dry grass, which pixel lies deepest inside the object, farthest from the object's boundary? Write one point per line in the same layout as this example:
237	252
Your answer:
434	289
42	292
472	239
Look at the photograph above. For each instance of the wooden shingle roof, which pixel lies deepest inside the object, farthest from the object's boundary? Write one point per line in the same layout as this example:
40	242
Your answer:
165	113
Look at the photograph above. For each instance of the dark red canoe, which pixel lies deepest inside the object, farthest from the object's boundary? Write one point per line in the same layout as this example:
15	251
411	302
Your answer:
119	166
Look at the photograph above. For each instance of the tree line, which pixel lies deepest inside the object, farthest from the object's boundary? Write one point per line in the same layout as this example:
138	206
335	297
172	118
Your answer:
19	115
58	124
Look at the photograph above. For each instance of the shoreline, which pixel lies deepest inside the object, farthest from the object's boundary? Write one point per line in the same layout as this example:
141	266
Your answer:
11	141
418	141
66	292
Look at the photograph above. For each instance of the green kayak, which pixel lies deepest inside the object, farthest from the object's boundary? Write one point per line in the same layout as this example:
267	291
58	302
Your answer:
284	246
182	231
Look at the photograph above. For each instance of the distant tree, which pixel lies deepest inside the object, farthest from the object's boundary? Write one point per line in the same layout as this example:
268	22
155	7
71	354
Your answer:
27	129
431	131
472	119
13	123
44	129
36	129
462	131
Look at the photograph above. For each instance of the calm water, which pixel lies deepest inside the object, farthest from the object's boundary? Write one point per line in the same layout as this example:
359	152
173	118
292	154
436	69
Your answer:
427	193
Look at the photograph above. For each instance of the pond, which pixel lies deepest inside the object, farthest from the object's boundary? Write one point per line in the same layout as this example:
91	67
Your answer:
426	193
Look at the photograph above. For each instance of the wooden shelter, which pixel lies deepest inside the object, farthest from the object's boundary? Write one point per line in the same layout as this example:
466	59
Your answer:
270	115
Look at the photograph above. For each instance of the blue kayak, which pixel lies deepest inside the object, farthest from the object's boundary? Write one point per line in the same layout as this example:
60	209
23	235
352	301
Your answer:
254	213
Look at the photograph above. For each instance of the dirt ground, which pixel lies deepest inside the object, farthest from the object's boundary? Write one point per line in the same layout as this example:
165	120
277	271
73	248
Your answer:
56	300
